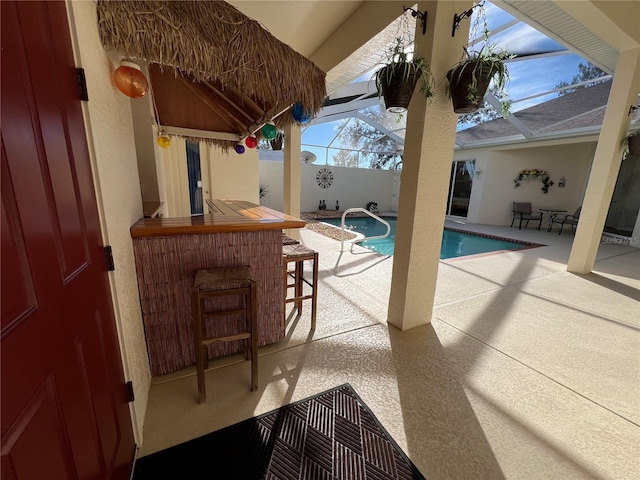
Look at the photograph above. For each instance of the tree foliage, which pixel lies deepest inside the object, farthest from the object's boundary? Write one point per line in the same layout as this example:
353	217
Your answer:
345	158
586	71
377	150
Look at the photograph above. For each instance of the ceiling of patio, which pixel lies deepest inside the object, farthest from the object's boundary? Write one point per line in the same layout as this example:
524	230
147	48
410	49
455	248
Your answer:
596	30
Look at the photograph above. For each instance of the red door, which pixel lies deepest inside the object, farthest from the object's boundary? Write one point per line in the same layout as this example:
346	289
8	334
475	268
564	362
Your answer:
64	407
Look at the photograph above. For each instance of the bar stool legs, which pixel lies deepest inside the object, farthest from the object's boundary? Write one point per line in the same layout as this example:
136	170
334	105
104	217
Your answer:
299	254
222	282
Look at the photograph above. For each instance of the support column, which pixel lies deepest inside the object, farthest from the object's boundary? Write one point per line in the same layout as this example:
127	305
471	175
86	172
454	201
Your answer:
428	153
606	162
292	149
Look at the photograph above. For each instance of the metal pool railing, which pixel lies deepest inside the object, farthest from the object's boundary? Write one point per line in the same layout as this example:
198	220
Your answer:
358	240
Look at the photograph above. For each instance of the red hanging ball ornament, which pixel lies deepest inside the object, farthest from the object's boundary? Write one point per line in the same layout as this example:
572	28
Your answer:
251	141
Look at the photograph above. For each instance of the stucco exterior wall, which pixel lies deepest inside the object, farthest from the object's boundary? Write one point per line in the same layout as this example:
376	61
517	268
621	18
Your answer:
223	175
493	187
113	153
351	187
230	176
494	191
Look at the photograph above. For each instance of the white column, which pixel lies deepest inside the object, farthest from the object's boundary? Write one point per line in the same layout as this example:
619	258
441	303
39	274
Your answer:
292	148
428	153
606	162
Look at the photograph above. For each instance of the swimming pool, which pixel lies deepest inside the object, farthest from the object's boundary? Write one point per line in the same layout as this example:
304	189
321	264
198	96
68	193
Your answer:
454	243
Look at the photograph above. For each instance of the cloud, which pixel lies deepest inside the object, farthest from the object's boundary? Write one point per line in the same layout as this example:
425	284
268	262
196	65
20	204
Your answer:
521	39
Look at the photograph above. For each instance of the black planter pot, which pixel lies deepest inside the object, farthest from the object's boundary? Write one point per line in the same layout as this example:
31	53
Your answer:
397	92
460	79
634	145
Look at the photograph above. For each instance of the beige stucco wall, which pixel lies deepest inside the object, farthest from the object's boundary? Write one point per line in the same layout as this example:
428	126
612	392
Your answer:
230	175
351	187
145	139
224	175
493	189
113	154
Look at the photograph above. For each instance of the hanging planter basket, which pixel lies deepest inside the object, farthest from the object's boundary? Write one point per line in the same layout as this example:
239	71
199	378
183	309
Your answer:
397	88
465	97
634	144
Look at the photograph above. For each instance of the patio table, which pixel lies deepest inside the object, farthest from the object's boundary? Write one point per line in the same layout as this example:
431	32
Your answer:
169	251
552	213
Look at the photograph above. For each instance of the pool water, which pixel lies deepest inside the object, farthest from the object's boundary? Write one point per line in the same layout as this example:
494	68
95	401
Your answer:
454	243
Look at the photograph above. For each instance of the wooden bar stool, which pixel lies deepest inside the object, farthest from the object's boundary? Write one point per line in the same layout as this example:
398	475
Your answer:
287	240
219	282
298	254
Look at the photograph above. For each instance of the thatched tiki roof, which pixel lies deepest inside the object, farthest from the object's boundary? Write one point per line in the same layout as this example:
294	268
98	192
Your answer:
227	60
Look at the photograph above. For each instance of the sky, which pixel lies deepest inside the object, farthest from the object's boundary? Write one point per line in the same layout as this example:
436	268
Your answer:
528	77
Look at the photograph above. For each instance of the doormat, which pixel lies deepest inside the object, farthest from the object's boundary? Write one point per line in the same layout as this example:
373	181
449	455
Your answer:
332	435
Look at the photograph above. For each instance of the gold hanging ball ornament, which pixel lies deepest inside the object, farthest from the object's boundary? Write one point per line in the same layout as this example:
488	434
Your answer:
163	140
130	80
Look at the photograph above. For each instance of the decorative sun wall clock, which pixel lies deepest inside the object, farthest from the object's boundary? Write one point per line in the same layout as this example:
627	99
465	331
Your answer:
324	177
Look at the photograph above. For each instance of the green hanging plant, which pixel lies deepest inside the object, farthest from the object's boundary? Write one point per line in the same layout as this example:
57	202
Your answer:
470	78
397	79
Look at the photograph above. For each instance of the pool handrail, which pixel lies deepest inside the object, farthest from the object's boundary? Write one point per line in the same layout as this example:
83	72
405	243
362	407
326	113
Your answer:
357	240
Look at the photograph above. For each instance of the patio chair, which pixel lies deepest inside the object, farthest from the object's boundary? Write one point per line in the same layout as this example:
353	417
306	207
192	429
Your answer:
562	220
523	211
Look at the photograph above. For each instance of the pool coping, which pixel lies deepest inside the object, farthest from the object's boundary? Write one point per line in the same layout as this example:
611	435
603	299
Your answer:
525	245
319	217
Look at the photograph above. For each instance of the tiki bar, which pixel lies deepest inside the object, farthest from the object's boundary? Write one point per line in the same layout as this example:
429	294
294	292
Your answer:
216	78
169	251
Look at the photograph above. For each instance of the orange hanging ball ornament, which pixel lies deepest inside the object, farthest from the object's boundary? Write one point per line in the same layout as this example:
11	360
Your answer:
130	80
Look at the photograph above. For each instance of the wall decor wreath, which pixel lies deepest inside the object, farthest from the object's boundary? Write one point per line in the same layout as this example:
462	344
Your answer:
534	173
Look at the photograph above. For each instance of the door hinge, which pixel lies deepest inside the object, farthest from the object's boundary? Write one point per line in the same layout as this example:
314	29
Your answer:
82	84
108	258
129	388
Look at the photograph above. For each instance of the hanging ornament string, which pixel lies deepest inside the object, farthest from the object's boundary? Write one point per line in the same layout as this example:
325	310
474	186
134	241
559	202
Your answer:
163	139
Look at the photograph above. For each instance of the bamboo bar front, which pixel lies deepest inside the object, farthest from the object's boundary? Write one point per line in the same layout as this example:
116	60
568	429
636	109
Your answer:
169	251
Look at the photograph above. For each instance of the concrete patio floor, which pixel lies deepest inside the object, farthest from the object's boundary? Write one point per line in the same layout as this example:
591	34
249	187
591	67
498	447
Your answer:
526	371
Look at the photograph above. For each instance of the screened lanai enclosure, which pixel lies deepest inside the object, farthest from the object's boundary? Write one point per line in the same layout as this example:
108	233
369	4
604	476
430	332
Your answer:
554	94
354	130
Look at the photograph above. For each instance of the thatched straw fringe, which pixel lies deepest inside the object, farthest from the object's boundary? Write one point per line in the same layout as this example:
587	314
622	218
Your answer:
212	40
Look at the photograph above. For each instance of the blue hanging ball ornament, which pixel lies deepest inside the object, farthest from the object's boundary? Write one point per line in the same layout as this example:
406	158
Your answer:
299	113
239	148
269	131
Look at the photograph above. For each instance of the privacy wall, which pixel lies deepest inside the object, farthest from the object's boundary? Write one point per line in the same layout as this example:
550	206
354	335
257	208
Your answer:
350	187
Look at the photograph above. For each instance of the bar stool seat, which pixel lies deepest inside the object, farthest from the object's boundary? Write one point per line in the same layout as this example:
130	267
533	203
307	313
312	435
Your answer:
220	282
298	254
287	240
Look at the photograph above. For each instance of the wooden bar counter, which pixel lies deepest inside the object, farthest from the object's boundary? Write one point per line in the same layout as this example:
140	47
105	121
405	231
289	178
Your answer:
169	251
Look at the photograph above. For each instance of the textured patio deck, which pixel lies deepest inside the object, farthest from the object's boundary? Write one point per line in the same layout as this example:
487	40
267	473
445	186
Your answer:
525	372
